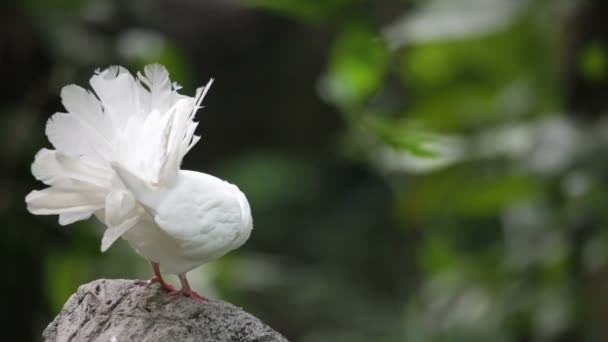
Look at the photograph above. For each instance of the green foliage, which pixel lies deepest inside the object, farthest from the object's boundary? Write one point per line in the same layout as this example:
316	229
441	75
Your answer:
493	256
356	67
594	62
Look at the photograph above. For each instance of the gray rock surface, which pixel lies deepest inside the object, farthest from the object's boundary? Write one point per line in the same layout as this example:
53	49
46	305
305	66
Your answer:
129	310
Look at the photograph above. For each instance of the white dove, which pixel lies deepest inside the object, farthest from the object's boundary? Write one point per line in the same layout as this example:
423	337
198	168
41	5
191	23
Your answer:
117	156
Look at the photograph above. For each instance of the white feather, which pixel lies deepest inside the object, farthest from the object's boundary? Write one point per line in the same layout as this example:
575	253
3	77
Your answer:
54	168
69	218
87	110
114	233
117	90
58	200
118	156
156	78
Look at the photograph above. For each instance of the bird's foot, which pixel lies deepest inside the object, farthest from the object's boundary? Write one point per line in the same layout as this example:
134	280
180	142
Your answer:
189	293
163	284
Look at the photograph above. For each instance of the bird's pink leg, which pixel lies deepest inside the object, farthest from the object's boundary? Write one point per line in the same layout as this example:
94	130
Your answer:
158	278
186	290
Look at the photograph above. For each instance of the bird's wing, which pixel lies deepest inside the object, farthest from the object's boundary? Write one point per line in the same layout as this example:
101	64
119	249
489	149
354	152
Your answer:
195	215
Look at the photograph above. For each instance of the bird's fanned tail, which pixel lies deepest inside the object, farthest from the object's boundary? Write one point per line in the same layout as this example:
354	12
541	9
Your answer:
140	123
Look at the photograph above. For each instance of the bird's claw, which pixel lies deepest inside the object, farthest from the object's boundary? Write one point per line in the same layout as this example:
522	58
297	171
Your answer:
166	286
189	293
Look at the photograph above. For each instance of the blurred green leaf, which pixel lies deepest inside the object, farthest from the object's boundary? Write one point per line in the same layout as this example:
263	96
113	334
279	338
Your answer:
402	137
357	66
594	62
458	85
468	192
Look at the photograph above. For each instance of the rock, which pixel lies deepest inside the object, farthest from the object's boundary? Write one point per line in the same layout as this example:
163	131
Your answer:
130	310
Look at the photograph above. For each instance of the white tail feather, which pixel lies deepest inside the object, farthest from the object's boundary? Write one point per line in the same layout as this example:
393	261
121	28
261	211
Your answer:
135	129
114	233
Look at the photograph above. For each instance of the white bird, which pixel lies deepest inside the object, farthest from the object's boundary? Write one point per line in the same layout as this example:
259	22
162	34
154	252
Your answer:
117	156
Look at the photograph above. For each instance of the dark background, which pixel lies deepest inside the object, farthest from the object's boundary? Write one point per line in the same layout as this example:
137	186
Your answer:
417	170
